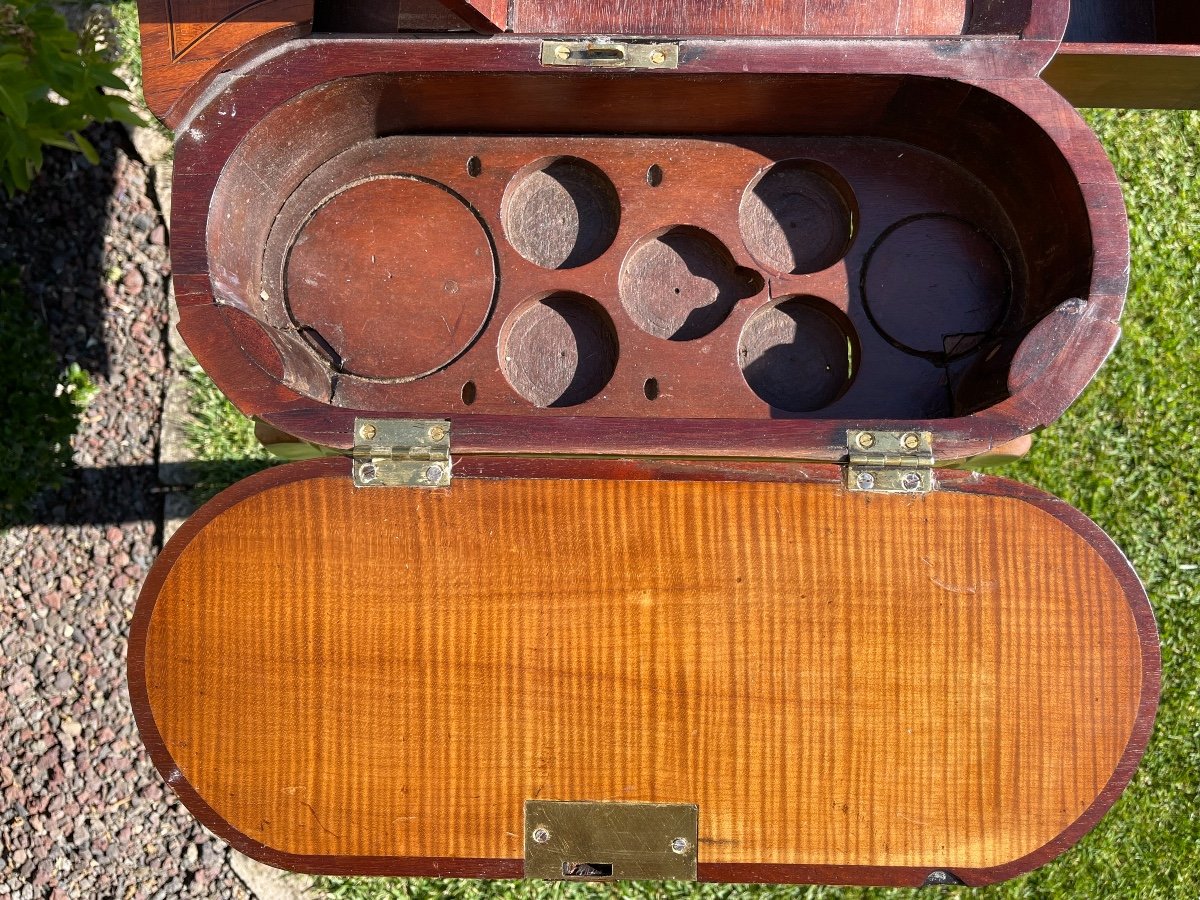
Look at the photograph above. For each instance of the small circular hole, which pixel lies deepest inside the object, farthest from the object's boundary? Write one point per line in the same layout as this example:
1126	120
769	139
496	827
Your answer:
654	175
468	393
798	354
474	166
559	351
798	217
651	388
561	212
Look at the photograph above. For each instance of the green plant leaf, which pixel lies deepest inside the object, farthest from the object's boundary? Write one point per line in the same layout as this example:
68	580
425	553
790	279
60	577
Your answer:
86	148
13	105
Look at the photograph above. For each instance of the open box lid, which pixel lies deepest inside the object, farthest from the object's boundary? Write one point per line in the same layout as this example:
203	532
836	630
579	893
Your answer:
187	43
827	686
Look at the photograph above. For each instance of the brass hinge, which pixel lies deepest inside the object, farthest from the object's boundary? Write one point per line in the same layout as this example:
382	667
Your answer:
401	453
610	841
602	54
890	462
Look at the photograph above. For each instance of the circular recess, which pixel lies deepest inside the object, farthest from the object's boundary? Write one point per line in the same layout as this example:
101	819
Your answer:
393	278
559	351
798	217
936	286
654	175
682	283
561	213
798	354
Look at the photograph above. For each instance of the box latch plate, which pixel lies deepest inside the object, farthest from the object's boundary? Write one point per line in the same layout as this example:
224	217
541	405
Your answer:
585	841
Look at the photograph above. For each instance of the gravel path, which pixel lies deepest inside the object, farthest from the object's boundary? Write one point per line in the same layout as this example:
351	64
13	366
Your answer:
82	811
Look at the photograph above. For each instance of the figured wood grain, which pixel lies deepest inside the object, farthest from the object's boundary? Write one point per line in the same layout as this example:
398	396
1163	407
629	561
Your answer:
347	680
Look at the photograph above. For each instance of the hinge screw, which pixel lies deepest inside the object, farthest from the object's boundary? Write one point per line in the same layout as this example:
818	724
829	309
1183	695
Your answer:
865	481
910	441
437	433
367	472
563	52
367	432
866	440
433	474
681	845
658	57
541	835
911	481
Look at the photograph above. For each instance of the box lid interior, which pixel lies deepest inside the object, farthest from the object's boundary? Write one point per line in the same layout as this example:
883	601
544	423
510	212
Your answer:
856	688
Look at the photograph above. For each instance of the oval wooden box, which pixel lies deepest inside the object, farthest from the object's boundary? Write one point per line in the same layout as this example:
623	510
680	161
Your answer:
618	286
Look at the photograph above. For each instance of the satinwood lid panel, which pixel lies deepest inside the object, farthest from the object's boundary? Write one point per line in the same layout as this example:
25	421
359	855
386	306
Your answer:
853	688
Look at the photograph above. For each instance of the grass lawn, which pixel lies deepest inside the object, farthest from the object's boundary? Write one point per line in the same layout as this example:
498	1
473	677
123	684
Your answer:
1126	455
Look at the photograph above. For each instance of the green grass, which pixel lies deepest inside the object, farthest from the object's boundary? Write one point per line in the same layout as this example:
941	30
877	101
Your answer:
221	438
1126	455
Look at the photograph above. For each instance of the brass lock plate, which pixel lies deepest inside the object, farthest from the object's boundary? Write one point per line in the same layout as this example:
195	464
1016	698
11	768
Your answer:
585	841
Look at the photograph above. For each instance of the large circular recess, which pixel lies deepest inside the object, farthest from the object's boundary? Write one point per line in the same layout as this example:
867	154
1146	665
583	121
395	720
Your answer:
558	351
936	285
393	278
798	217
682	283
561	213
798	354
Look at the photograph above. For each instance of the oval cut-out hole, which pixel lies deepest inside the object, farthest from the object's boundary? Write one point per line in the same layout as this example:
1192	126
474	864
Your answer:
474	166
561	213
651	388
682	283
798	355
654	175
469	393
798	217
559	351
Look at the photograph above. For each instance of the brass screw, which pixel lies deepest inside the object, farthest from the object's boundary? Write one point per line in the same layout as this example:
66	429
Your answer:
367	432
658	57
437	432
563	52
866	440
910	441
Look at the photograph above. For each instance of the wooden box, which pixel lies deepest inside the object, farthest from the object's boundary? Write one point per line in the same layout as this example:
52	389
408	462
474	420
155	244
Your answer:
640	353
1134	53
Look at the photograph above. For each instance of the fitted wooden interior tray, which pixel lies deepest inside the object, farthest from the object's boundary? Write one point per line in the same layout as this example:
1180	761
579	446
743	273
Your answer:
853	688
798	253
